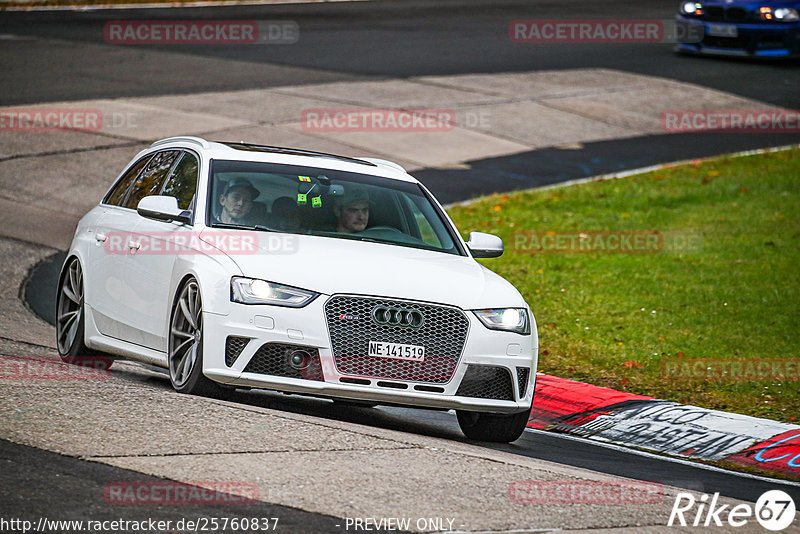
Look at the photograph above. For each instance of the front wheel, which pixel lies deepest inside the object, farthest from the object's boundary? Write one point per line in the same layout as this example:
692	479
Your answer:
186	344
500	428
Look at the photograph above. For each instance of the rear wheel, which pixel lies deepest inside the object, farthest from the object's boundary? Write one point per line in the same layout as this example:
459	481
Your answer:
70	316
186	344
501	428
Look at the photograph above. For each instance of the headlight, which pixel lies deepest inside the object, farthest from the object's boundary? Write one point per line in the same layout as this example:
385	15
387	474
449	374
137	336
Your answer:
253	291
786	14
508	319
691	8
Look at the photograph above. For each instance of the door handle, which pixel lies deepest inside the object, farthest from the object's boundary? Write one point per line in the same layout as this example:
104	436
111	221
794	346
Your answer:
100	238
134	245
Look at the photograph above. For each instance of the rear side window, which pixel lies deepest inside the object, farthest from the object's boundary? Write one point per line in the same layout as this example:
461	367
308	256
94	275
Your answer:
182	182
116	196
152	177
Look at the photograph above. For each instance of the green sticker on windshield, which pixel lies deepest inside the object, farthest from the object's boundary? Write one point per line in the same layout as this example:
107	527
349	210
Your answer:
304	178
301	199
316	202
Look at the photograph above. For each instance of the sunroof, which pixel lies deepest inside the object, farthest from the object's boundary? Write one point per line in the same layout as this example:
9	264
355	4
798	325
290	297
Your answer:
294	152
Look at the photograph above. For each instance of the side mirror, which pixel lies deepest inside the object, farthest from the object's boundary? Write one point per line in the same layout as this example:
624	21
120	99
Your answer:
485	245
163	208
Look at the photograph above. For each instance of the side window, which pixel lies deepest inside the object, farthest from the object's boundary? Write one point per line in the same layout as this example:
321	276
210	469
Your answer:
152	177
182	183
116	196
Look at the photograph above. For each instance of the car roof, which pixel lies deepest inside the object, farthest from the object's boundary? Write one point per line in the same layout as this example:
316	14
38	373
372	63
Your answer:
289	156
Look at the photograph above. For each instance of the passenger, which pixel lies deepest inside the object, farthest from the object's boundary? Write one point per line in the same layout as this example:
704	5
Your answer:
237	201
352	209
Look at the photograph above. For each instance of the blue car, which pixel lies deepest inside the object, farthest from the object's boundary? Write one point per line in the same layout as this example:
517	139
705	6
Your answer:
769	29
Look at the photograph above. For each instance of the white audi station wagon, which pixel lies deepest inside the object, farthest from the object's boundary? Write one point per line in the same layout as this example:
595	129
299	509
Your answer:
244	266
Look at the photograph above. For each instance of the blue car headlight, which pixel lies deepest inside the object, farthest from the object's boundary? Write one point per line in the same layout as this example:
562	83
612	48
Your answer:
691	8
786	14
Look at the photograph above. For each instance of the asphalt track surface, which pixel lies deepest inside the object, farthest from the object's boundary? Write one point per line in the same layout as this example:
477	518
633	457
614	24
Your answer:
30	476
347	42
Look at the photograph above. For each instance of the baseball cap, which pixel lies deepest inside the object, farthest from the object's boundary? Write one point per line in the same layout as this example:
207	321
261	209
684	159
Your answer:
353	194
241	182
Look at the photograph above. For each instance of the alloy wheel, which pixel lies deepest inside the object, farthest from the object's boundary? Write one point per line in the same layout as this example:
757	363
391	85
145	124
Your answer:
69	311
186	335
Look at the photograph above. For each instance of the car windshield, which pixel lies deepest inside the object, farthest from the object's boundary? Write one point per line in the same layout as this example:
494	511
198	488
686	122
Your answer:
325	202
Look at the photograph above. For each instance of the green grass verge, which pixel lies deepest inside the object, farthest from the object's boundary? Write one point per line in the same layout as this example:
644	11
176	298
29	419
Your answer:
619	319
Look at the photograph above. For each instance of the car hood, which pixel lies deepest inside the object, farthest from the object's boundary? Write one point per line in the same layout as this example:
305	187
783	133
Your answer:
333	265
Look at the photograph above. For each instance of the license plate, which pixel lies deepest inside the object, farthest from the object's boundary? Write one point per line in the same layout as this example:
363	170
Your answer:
723	30
400	351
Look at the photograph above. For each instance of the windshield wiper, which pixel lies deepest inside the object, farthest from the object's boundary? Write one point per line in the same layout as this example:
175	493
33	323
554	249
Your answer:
354	237
259	227
339	235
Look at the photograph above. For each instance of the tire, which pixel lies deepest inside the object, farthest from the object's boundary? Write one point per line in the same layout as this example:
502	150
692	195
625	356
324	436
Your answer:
185	352
71	318
493	427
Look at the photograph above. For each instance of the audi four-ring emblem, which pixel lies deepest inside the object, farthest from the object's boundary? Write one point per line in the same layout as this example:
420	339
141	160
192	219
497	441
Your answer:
391	316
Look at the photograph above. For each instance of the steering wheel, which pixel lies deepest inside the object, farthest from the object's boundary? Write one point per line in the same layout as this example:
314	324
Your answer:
382	229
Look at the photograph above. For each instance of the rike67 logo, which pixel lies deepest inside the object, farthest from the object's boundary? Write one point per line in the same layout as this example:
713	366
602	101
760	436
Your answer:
774	510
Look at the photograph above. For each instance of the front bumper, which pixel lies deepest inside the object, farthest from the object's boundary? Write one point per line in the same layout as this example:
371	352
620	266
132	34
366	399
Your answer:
773	40
306	329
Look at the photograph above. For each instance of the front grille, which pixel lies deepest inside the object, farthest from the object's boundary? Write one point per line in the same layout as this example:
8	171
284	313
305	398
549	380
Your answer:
736	14
722	14
443	333
233	348
715	13
275	359
522	380
486	382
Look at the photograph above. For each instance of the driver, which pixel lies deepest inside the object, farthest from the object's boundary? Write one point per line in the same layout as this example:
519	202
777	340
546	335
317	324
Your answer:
237	201
352	209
